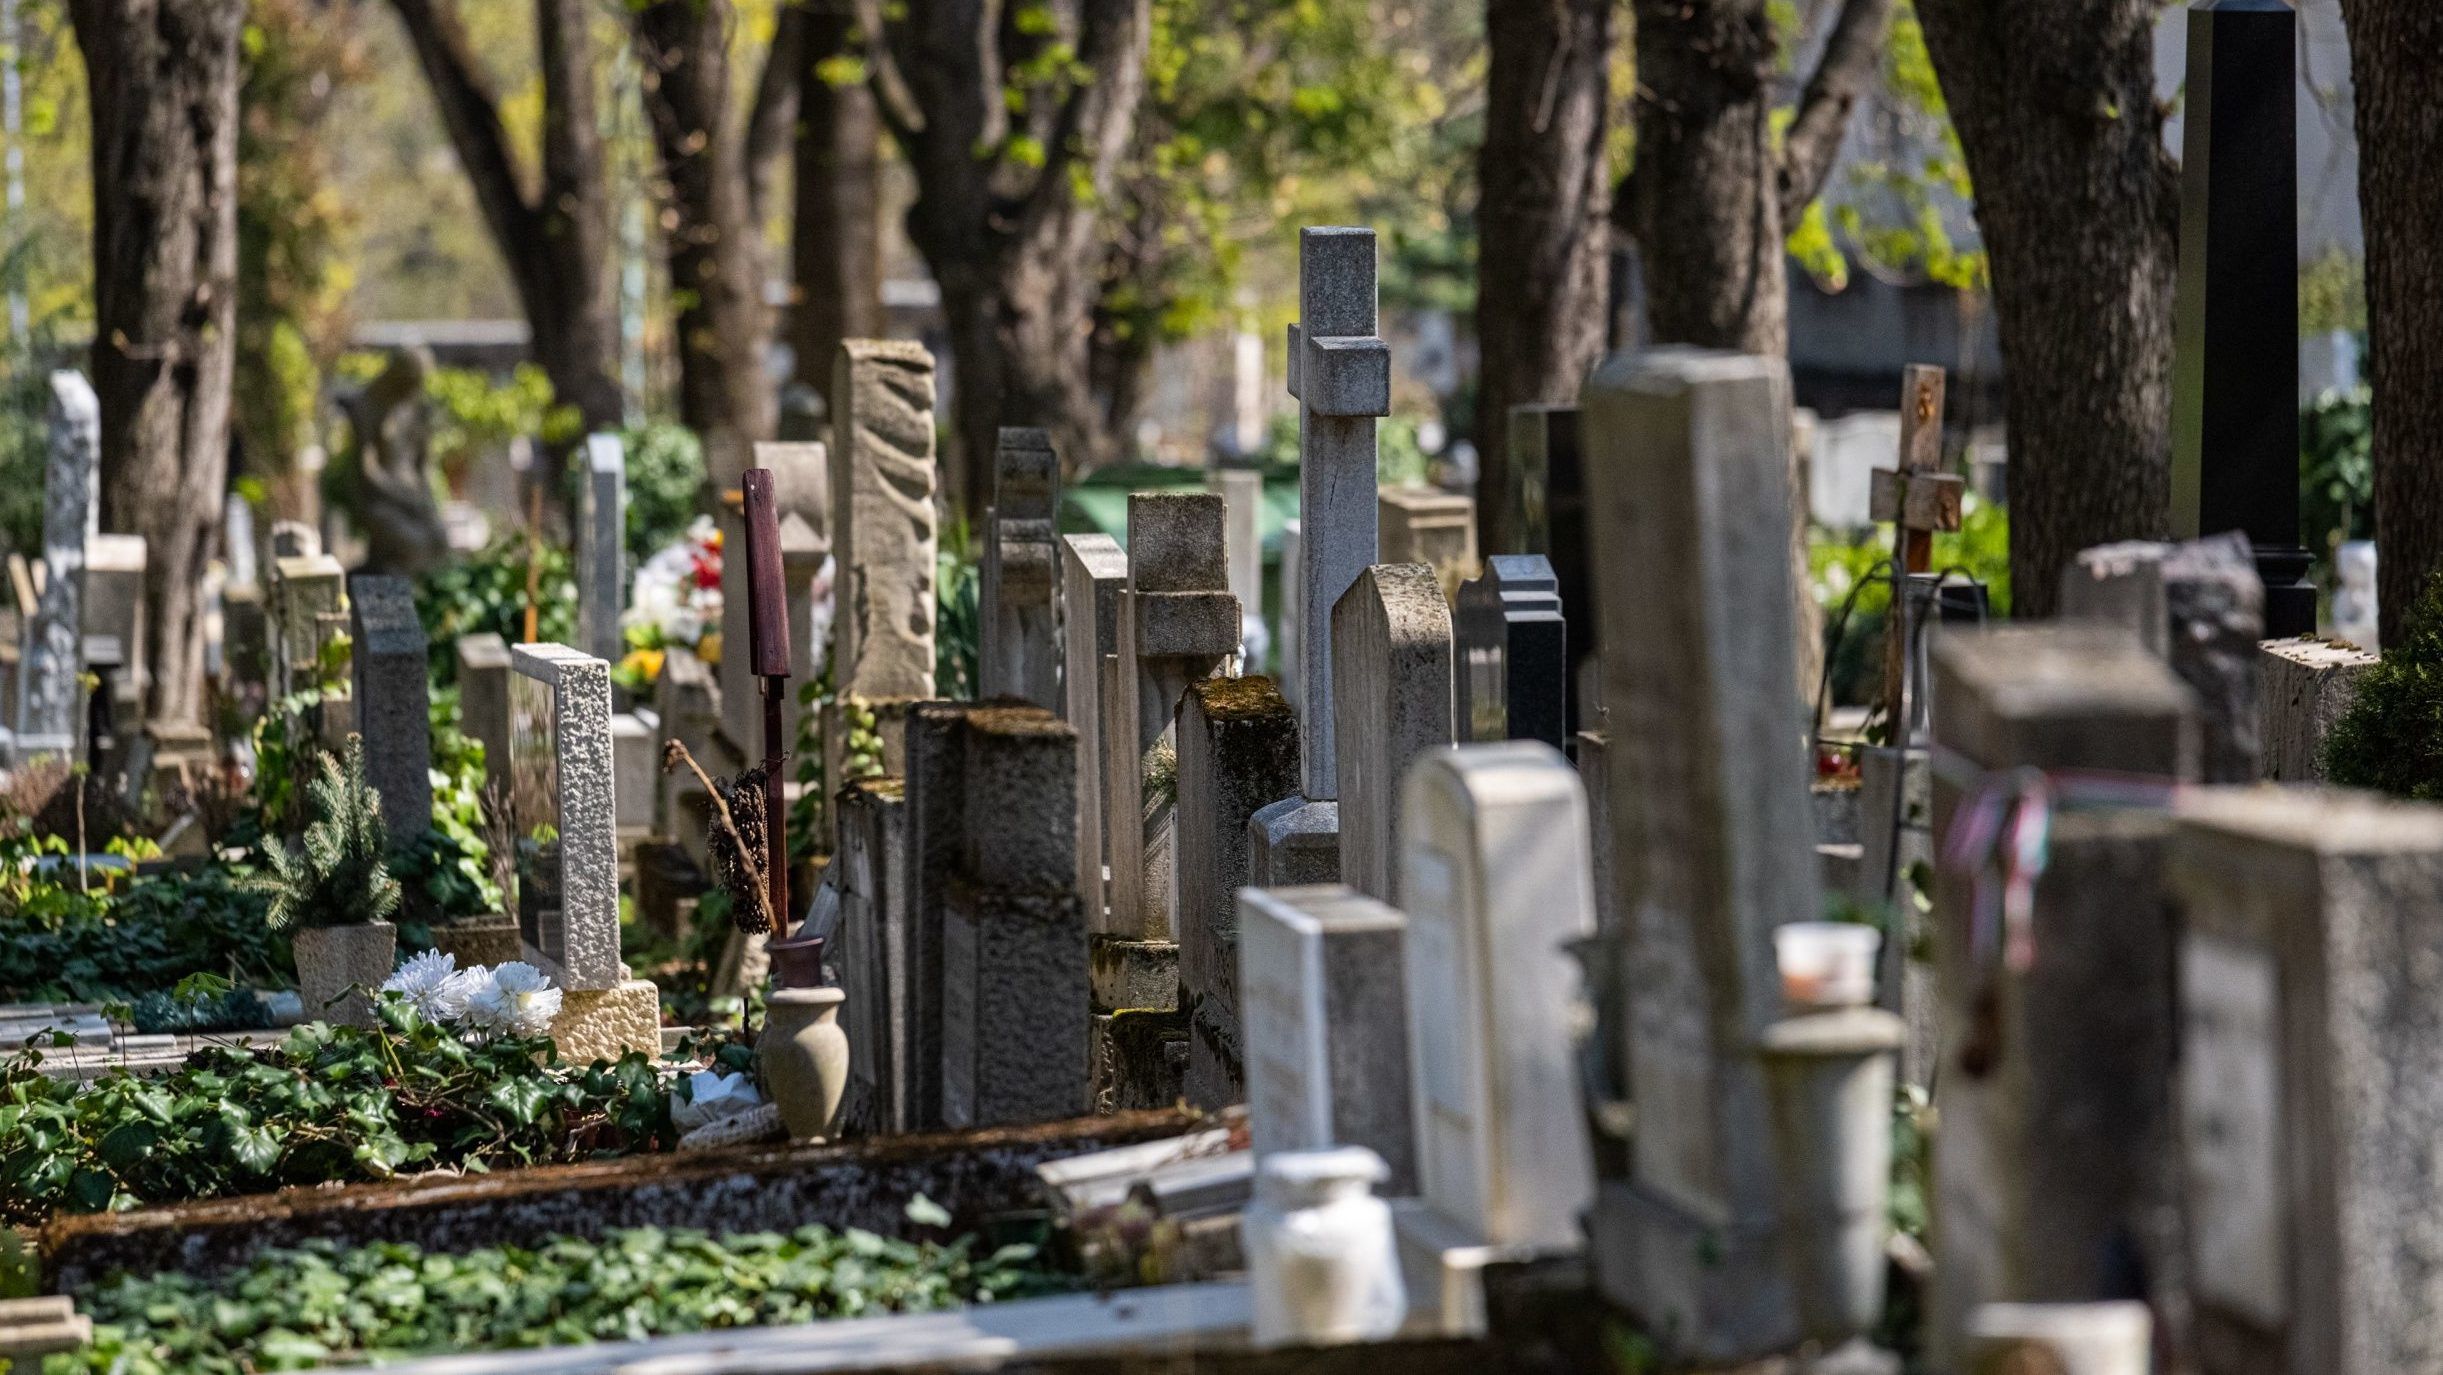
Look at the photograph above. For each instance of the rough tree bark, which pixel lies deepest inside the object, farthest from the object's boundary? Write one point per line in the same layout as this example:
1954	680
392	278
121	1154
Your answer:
1542	282
836	241
2396	66
711	189
1007	203
163	83
2078	203
556	241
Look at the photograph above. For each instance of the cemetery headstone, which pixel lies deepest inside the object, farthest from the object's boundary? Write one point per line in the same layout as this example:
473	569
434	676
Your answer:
1019	584
1548	503
602	543
1688	495
1434	528
1238	751
2199	607
49	700
2303	687
1094	580
1391	650
1242	492
393	700
1513	653
882	529
872	950
798	487
483	701
309	599
294	539
2311	1051
1325	1017
635	769
2055	1012
2235	360
1288	659
113	603
1014	1010
935	797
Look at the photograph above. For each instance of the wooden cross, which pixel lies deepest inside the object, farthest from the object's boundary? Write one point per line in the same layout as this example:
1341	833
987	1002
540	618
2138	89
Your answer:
1919	499
767	610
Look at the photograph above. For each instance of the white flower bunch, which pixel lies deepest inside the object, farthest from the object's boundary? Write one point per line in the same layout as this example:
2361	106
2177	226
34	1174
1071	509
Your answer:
511	999
678	590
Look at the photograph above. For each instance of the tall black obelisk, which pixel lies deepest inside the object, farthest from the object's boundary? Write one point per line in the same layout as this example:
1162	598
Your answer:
2235	378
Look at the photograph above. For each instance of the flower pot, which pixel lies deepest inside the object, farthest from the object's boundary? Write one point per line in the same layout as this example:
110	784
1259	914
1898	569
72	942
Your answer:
797	961
339	966
804	1057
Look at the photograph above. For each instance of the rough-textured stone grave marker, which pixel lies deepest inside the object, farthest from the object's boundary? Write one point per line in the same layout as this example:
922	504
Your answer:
1326	1024
1434	528
1238	750
602	545
2235	362
2056	1040
882	532
2198	607
1391	647
2311	1079
1512	679
1019	584
2303	687
393	700
49	700
1094	579
1688	495
1340	371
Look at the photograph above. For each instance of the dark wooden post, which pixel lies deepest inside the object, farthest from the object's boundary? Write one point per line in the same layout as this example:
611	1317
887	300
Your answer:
1919	499
767	609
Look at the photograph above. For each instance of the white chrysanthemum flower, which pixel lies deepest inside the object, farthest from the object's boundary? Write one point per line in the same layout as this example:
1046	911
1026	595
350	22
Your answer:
513	999
433	985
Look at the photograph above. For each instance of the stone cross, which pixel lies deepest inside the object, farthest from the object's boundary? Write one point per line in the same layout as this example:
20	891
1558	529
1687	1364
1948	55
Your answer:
1326	1024
1094	580
2235	360
1513	653
2076	1025
1548	509
563	814
1688	496
393	700
1496	887
48	696
1919	499
1238	751
602	544
1019	584
882	529
2197	606
2310	1079
1391	647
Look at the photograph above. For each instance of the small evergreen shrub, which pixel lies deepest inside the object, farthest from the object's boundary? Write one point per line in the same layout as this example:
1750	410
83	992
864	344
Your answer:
2391	738
336	875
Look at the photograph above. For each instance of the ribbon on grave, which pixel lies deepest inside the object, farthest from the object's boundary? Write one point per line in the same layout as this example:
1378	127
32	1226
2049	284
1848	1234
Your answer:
2000	840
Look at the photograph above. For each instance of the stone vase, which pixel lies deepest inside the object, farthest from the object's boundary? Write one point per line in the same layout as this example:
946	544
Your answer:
339	966
803	1054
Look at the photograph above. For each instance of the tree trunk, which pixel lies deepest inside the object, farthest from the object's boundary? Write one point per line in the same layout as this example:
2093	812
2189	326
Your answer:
2078	204
163	78
714	244
2396	62
1542	282
836	242
556	244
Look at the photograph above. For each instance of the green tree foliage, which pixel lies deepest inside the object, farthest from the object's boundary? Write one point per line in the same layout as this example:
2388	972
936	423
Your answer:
2391	738
665	476
2337	469
487	591
338	874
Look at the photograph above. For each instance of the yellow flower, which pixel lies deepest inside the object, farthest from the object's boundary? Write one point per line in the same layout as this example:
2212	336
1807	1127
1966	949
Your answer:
709	648
644	663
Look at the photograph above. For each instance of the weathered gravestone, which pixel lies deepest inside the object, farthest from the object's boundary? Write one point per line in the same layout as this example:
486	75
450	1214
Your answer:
483	703
1020	582
2311	1080
2198	607
1014	1007
563	818
1094	580
1238	750
935	797
635	770
1496	887
1391	648
393	700
2056	1024
2303	687
308	606
872	951
1434	528
1340	371
688	702
48	709
882	533
1548	509
2235	362
602	543
113	605
1688	495
1326	1023
1513	653
1242	494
